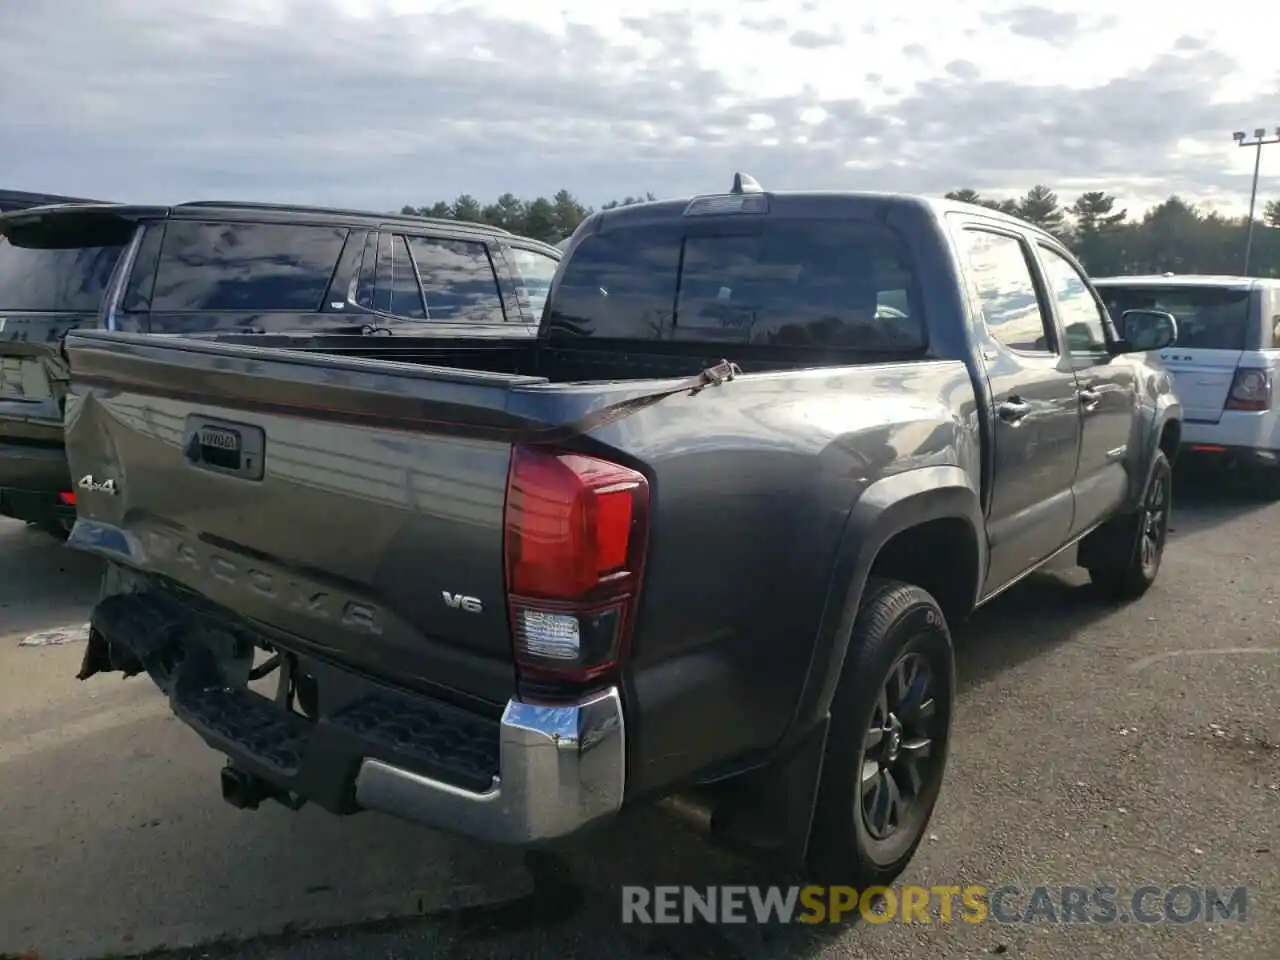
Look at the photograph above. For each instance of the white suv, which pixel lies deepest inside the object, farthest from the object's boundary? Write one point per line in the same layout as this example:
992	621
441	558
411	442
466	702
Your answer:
1224	364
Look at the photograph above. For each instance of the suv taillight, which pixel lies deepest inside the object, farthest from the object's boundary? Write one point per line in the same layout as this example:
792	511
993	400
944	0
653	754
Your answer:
576	531
1250	390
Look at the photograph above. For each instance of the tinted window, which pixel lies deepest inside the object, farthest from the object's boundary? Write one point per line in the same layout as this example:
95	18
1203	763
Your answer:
1211	318
458	281
790	283
536	271
137	290
245	266
619	285
1083	325
1272	310
1006	290
395	276
59	266
367	274
799	283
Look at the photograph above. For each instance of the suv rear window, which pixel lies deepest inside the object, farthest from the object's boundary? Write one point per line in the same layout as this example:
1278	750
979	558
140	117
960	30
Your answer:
245	266
59	265
798	283
1209	318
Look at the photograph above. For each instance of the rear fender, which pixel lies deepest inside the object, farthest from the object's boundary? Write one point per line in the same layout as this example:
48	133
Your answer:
888	507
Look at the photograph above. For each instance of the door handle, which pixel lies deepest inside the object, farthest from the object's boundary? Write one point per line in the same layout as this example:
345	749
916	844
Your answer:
1013	410
1089	398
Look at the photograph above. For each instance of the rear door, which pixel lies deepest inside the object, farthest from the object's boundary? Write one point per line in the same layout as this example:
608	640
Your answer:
1213	333
434	285
54	272
220	277
1033	389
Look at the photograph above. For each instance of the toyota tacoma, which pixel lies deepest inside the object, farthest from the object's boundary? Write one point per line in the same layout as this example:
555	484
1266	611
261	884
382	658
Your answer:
704	539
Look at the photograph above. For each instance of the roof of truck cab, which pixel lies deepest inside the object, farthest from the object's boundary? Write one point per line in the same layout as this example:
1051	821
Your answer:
1225	282
823	204
273	213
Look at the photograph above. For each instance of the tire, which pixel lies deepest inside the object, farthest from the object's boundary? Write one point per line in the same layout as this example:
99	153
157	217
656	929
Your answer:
898	627
1125	562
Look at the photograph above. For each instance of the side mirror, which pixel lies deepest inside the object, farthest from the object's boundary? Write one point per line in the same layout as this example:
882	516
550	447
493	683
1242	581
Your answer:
1144	330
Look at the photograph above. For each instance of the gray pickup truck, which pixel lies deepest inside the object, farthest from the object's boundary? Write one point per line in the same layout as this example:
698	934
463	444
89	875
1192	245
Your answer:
703	540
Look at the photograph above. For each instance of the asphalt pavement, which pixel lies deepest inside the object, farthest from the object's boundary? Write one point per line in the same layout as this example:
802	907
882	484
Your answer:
1094	745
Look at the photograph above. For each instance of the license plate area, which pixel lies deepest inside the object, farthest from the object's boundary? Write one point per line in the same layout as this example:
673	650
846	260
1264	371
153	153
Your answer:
222	446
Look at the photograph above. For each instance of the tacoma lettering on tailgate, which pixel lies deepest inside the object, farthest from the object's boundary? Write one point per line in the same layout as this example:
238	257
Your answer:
252	578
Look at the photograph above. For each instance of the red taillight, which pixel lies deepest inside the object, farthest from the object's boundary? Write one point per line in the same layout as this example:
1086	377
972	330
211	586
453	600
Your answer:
1250	390
68	498
576	529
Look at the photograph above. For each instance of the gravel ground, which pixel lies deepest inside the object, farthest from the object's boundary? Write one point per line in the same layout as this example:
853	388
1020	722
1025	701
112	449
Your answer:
1093	745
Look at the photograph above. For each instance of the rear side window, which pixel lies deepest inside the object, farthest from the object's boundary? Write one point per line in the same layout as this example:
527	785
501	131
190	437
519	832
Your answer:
797	283
459	283
536	271
245	266
1000	276
60	265
398	292
1271	310
366	279
1209	318
137	289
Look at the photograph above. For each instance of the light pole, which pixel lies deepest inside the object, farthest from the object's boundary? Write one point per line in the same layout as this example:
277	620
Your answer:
1260	140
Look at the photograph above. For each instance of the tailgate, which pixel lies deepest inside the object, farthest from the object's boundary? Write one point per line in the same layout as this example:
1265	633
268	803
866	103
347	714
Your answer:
32	376
1214	323
54	271
1202	379
337	503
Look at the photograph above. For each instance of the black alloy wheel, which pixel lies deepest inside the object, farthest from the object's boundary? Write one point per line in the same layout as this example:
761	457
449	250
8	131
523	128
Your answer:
898	763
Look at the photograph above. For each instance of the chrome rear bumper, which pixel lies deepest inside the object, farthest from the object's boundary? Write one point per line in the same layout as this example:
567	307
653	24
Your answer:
560	769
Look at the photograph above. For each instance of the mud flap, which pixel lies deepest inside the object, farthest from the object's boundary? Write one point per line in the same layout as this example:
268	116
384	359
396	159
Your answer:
129	635
97	658
1115	538
771	814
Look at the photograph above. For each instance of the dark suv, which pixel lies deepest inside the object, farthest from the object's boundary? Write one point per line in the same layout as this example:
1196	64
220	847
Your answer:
306	275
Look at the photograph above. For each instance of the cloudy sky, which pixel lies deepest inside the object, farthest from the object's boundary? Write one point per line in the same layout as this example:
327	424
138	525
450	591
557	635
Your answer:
375	103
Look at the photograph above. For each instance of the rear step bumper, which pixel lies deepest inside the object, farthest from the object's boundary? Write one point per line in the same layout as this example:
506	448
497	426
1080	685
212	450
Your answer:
560	769
540	773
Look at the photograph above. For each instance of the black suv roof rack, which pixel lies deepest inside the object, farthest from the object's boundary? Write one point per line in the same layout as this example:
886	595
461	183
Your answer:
340	211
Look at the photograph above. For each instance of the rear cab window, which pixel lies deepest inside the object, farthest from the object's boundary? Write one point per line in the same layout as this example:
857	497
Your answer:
796	282
1209	317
